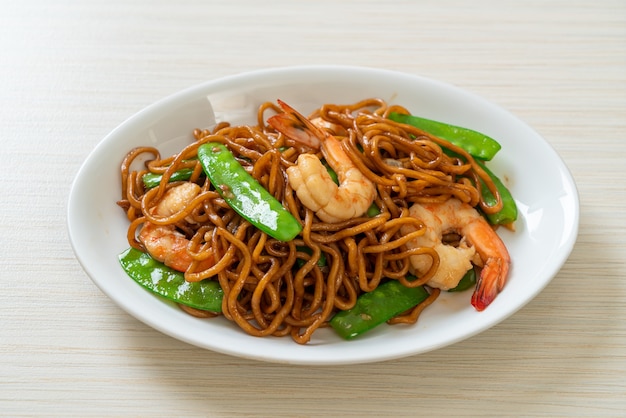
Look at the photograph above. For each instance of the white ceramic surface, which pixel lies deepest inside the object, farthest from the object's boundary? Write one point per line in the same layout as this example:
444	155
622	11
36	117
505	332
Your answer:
540	182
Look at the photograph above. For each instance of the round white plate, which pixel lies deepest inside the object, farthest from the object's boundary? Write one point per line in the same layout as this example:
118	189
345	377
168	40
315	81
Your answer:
540	182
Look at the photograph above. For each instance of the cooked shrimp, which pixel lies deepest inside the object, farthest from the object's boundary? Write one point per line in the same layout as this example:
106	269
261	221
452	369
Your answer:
309	178
479	243
163	242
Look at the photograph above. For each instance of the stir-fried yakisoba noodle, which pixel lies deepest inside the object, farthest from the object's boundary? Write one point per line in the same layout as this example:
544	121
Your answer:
385	218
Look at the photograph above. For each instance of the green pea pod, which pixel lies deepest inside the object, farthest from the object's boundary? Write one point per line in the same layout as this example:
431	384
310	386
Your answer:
466	282
373	308
331	173
508	213
171	284
479	146
245	195
475	143
321	262
151	180
373	210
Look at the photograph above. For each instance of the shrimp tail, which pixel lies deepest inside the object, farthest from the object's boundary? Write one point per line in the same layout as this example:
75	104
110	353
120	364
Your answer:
296	126
490	282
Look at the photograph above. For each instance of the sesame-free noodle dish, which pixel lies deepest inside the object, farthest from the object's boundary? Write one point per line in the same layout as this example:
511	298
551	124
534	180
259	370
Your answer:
351	216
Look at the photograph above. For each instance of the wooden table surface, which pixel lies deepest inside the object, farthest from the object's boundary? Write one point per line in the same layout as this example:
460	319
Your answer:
71	71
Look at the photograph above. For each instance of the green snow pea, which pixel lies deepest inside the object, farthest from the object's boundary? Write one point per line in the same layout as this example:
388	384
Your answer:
245	195
508	213
467	281
373	308
169	283
373	210
321	262
475	143
151	180
479	146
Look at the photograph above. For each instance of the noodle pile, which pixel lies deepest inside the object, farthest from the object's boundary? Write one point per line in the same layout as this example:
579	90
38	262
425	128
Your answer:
293	288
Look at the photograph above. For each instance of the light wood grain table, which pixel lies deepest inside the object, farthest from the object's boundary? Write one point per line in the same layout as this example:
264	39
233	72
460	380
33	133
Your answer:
71	71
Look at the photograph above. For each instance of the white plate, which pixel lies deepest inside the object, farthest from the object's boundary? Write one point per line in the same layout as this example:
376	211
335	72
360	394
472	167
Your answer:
540	182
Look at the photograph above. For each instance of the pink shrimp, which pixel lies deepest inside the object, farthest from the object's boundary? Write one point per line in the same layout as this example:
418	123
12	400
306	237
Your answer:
163	242
477	238
309	178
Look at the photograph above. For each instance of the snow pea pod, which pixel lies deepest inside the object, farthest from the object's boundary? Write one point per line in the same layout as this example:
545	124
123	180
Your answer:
169	283
321	262
245	195
479	146
373	308
151	180
475	143
508	213
467	281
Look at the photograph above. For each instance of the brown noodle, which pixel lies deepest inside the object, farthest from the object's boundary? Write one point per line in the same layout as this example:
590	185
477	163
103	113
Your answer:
278	288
